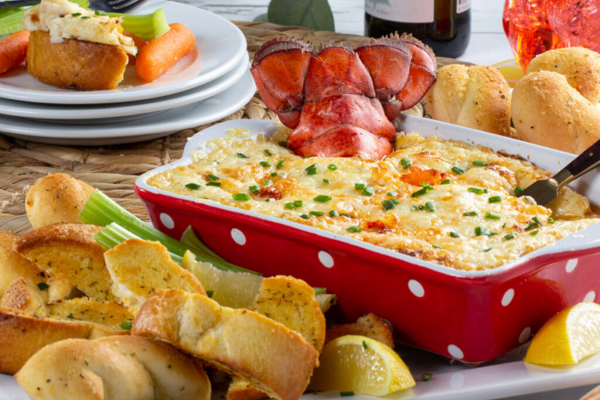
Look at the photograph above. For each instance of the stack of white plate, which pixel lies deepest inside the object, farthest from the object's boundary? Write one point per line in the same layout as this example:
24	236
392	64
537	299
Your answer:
210	83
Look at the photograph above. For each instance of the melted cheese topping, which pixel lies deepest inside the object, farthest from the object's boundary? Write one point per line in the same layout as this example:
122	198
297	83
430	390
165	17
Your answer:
66	20
418	201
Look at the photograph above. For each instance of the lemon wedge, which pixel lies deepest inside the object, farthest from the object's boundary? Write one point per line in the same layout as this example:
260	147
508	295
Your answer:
567	337
361	365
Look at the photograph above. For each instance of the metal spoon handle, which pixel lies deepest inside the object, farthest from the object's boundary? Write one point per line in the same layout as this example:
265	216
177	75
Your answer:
12	3
584	163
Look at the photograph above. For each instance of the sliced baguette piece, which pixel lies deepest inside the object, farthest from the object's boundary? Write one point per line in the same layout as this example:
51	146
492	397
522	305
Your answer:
244	343
75	64
292	303
14	266
370	325
23	333
108	313
138	267
22	296
69	252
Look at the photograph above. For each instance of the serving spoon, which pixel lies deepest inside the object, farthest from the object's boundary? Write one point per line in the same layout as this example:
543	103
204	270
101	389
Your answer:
544	191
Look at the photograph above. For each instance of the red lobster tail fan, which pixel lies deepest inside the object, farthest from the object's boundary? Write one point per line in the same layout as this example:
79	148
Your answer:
423	67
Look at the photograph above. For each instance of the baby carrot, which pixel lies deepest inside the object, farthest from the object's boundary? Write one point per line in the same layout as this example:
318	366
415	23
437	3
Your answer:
13	50
157	56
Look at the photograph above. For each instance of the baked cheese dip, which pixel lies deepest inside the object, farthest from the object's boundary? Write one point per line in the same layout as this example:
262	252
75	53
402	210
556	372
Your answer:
448	202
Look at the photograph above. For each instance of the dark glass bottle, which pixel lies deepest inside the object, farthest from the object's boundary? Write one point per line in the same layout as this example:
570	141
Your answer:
444	25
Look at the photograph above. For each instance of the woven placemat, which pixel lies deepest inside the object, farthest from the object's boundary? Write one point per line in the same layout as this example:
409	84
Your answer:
113	169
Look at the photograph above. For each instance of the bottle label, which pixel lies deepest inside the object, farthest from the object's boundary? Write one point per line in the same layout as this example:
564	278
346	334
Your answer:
415	11
462	6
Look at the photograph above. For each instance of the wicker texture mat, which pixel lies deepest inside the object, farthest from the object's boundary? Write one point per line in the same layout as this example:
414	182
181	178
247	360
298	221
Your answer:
113	169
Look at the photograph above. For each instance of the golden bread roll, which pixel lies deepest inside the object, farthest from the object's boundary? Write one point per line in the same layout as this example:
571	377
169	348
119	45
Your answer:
370	325
580	66
475	97
114	368
75	64
550	112
56	198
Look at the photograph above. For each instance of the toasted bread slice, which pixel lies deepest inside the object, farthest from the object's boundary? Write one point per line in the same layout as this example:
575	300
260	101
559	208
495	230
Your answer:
69	252
292	303
138	267
23	333
108	313
244	343
22	296
13	266
75	64
56	198
370	325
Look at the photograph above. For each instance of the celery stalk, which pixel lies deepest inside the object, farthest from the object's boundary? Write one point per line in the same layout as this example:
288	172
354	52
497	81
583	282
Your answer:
11	18
193	242
148	27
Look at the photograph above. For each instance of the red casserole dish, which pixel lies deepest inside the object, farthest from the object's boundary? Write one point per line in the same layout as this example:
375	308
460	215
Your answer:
473	316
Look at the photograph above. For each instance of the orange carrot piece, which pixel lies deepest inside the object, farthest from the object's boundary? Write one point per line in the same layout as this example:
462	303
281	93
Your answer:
157	56
13	50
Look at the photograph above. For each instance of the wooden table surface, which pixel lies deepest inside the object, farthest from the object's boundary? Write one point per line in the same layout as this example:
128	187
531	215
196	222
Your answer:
488	43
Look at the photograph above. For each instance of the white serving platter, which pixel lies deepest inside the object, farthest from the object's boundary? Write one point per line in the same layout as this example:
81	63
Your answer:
220	46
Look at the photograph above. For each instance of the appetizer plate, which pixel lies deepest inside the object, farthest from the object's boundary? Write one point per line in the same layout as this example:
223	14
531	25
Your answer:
472	316
106	113
151	127
220	46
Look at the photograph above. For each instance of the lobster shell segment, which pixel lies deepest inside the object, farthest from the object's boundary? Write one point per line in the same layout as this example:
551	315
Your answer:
347	141
421	75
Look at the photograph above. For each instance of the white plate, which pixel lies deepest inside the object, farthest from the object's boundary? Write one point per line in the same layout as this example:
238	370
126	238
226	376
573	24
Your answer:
105	112
507	377
220	46
153	126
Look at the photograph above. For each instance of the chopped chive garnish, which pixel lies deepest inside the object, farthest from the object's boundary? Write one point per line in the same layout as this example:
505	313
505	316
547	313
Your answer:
470	214
273	173
240	155
427	186
240	196
283	144
266	183
316	213
458	171
454	235
486	250
99	12
368	191
254	189
333	213
304	216
492	215
414	208
480	163
346	215
280	164
477	190
419	192
217	184
426	376
392	193
504	225
209	294
193	186
86	17
43	286
126	325
429	206
70	315
550	220
395	200
265	164
495	199
332	167
298	203
421	207
405	163
479	231
326	181
75	14
289	206
267	152
446	182
359	186
365	345
354	229
509	236
311	170
534	232
213	177
518	190
436	247
322	198
387	204
537	221
532	225
346	394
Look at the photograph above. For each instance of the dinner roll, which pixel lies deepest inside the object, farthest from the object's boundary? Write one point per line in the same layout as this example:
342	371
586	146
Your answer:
56	198
475	96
